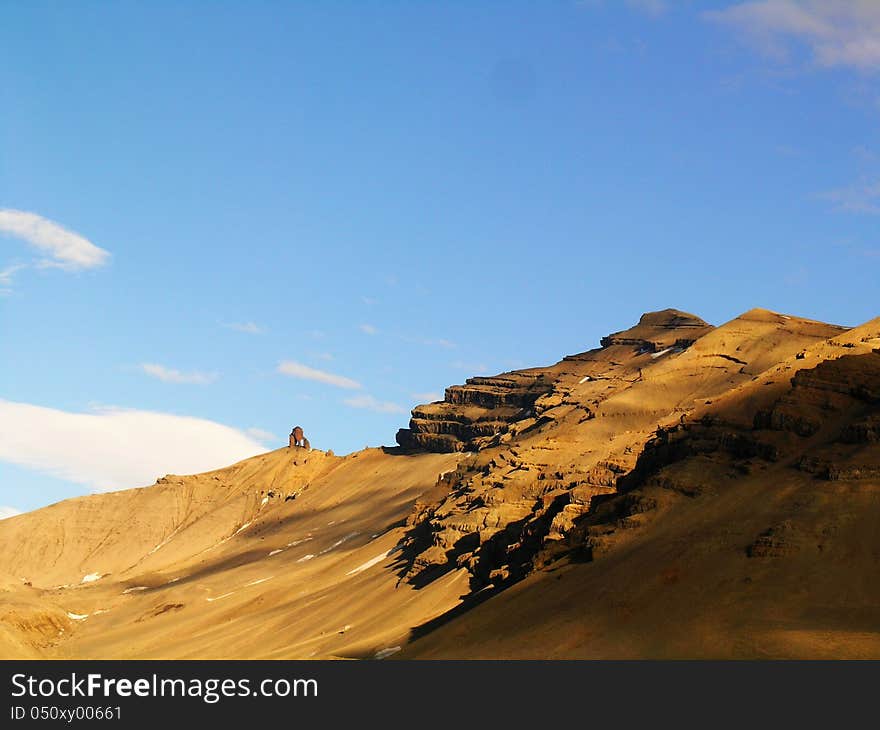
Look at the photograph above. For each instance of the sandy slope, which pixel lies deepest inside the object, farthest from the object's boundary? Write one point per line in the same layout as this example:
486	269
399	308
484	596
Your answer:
223	564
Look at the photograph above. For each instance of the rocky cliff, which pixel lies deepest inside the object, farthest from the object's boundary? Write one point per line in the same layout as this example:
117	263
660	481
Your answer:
558	474
472	416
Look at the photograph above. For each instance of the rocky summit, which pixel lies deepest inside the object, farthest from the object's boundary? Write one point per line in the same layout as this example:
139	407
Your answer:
683	490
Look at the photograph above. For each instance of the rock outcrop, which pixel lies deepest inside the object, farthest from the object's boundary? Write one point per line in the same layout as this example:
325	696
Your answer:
659	330
471	416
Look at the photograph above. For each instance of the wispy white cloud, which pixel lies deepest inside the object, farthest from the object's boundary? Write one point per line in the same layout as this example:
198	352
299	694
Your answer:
326	356
864	197
6	274
62	248
369	301
115	448
6	512
838	33
249	328
368	329
432	342
261	435
428	397
372	404
170	375
304	372
6	278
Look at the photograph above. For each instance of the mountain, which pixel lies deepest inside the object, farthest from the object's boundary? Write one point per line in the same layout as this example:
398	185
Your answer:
683	490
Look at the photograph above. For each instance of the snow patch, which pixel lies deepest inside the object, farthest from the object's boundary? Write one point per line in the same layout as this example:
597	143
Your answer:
655	355
339	542
584	379
305	557
91	578
299	542
217	598
264	502
373	561
166	540
134	589
384	653
275	552
243	527
258	581
77	616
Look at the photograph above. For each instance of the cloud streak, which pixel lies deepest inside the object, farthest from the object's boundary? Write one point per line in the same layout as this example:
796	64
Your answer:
63	248
261	435
368	329
6	274
6	512
116	448
431	342
297	370
170	375
840	33
248	328
370	403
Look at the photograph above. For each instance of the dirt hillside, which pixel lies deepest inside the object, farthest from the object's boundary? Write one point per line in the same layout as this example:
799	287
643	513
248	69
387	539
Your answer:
683	490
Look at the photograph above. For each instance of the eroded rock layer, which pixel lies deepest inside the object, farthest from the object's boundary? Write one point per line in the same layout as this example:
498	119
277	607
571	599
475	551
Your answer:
471	416
560	475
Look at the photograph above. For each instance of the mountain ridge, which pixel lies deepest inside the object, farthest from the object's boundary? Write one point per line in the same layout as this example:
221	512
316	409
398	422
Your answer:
507	483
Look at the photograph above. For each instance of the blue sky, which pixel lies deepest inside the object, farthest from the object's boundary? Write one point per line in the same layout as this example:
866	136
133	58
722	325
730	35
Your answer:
220	220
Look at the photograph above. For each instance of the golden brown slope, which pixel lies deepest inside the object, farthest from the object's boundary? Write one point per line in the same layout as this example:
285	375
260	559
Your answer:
678	459
528	487
726	540
225	564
